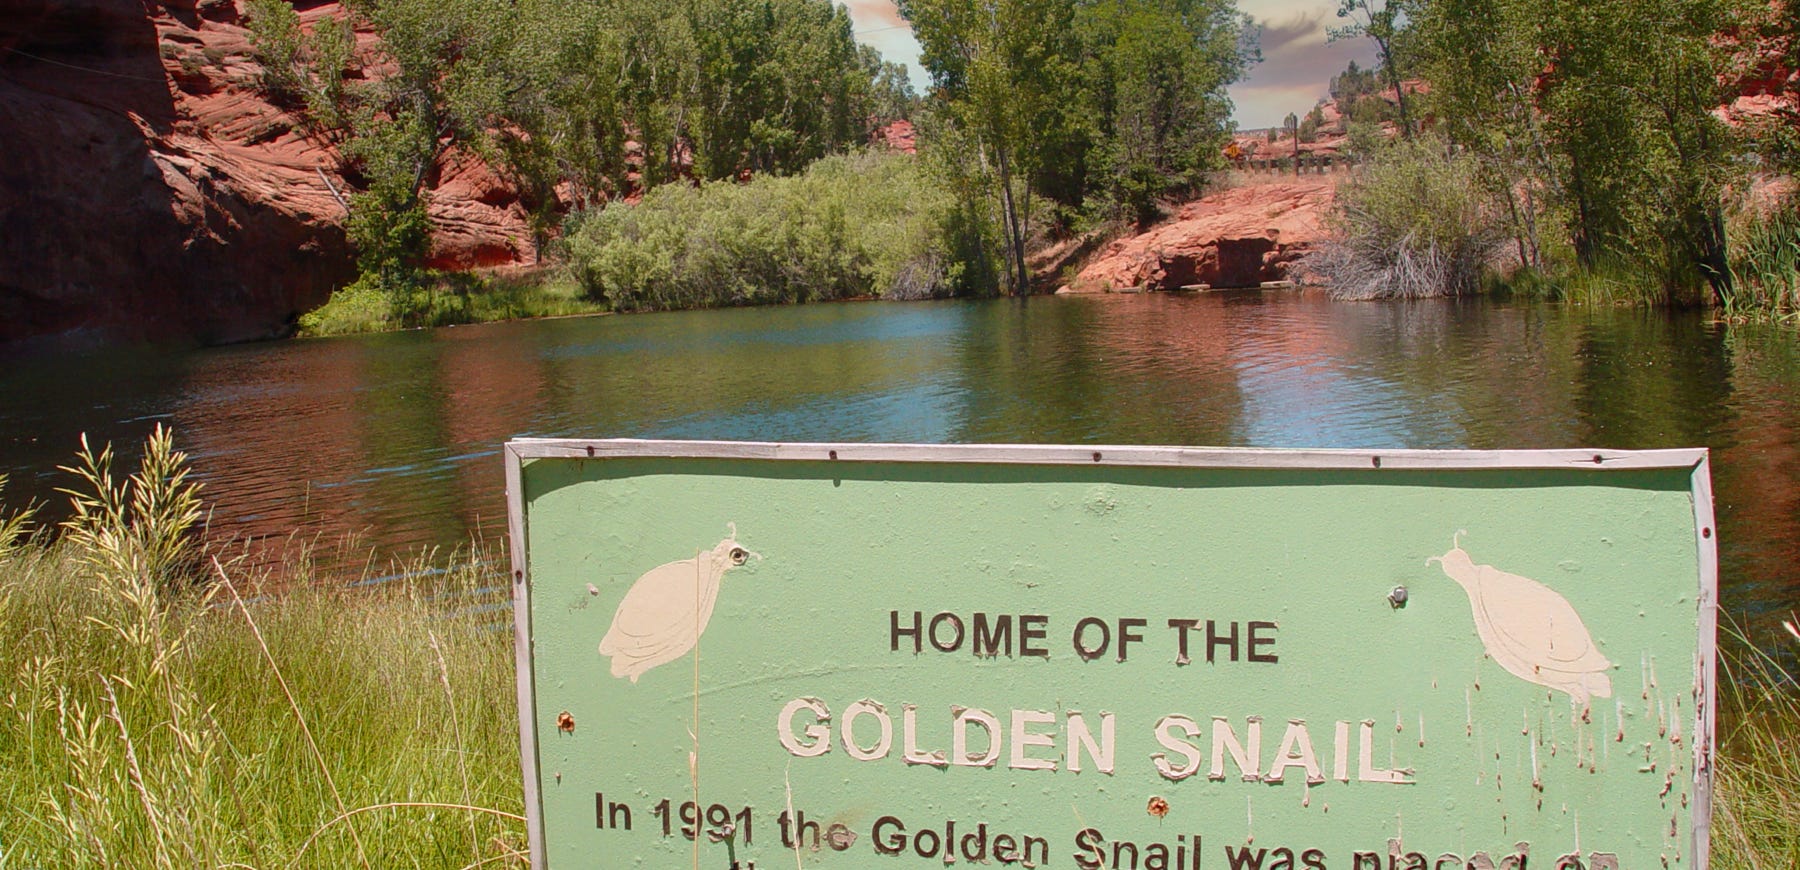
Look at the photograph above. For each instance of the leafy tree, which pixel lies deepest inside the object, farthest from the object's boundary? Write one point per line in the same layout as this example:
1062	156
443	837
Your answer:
1482	57
1110	105
301	69
1311	124
581	101
1381	21
1352	83
891	93
278	44
1006	71
1598	117
781	83
1155	73
446	85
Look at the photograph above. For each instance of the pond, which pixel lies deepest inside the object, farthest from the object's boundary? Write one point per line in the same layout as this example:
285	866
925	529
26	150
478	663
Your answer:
395	438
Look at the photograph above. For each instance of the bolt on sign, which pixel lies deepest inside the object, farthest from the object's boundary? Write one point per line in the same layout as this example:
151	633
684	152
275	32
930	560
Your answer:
1131	658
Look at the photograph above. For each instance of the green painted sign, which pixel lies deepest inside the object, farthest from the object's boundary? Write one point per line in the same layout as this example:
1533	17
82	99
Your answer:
847	656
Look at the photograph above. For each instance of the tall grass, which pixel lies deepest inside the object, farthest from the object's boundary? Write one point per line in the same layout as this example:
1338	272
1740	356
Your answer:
1756	824
1610	280
150	719
1765	266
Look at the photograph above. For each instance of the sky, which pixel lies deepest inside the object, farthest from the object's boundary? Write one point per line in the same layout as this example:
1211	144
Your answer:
1296	70
1298	62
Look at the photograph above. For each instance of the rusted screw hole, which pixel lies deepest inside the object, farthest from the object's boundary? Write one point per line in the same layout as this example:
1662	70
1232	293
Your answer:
1598	459
565	722
1375	461
590	449
1096	456
1706	532
834	454
1157	807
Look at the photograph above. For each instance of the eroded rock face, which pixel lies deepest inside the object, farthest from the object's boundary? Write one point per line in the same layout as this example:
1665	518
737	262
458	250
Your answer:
139	202
897	136
149	192
476	219
1235	238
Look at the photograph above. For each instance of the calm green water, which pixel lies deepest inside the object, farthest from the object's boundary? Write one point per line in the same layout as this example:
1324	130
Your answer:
396	437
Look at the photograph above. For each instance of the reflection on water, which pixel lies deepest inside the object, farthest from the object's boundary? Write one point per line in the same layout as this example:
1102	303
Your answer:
396	436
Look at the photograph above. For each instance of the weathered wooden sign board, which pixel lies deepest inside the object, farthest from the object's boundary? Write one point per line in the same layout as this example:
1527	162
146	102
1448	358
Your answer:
848	656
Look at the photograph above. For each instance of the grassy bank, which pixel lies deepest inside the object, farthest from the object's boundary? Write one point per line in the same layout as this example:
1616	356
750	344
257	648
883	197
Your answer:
163	710
1756	817
156	715
447	300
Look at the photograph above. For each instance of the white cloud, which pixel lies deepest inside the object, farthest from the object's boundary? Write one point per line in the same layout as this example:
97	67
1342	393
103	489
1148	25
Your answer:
1298	60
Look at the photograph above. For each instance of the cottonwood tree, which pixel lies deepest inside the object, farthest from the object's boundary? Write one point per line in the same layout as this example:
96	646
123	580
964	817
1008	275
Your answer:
1482	58
1154	75
1114	103
1597	116
1005	70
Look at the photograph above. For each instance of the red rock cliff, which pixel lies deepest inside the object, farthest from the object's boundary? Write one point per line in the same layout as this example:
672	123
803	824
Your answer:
149	192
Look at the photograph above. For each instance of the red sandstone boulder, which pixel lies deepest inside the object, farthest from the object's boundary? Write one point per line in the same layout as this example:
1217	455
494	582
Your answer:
476	218
898	136
1240	237
122	217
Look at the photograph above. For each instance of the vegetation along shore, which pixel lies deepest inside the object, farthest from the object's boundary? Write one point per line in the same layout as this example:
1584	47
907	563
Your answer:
424	163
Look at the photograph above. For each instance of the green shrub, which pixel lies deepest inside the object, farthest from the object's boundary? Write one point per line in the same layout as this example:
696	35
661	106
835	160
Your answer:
277	42
360	307
1312	124
870	224
445	299
1413	222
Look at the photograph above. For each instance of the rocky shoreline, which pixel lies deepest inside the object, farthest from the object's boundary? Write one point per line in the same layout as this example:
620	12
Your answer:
1244	236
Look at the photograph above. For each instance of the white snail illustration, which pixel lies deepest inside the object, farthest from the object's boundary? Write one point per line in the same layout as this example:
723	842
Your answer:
667	609
1533	632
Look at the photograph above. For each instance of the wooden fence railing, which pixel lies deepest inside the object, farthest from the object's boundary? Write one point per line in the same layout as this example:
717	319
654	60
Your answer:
1309	164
